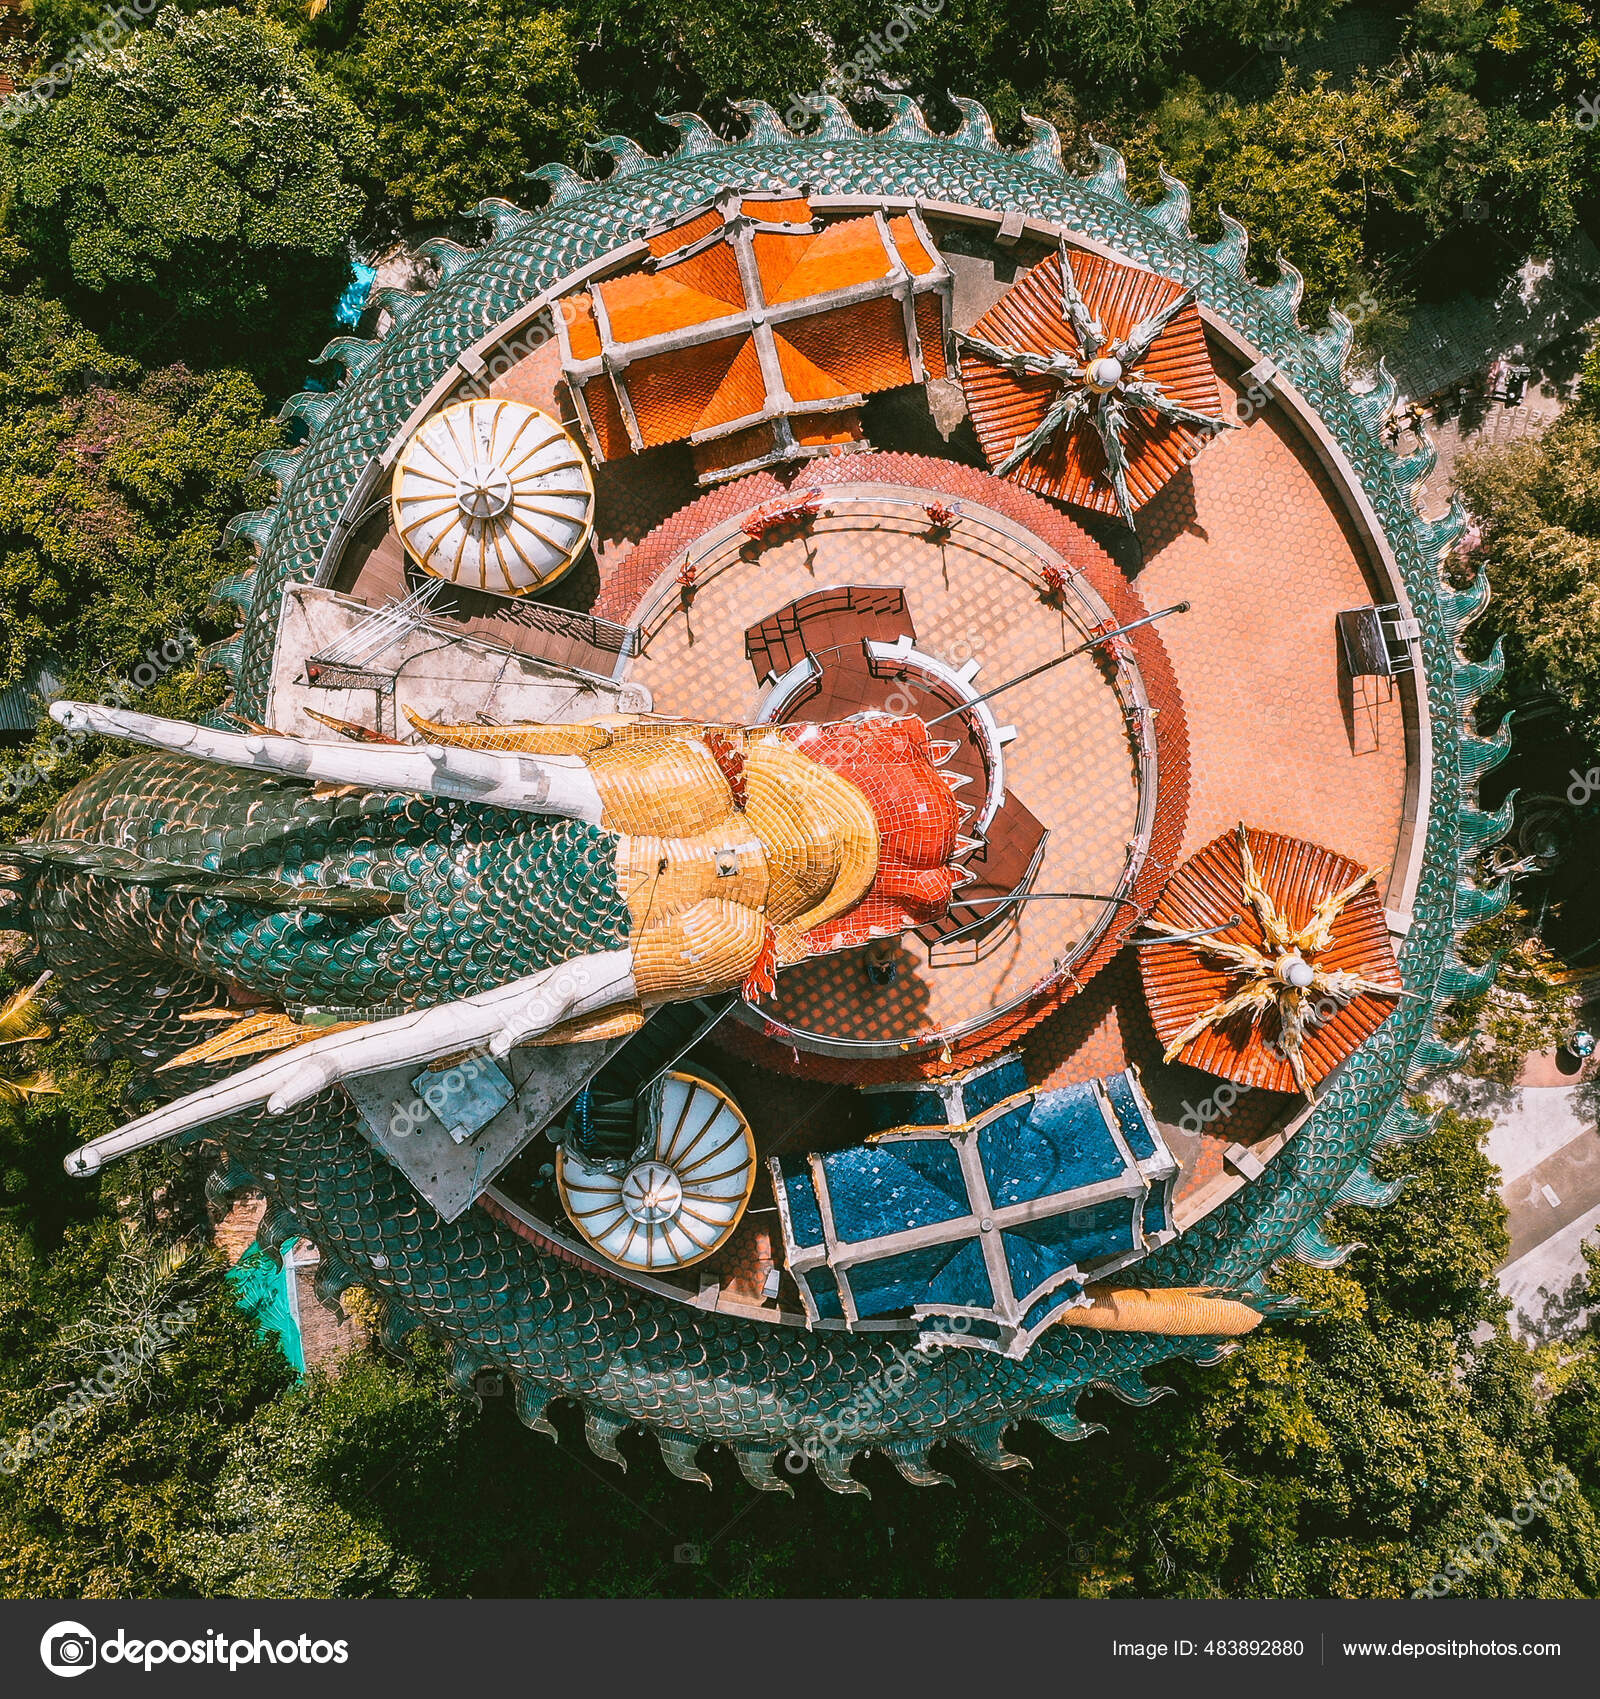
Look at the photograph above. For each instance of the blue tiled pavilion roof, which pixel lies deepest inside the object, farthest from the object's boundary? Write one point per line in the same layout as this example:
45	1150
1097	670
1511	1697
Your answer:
980	1199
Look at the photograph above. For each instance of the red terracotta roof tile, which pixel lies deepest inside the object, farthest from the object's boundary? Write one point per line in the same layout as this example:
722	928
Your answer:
1182	981
1004	406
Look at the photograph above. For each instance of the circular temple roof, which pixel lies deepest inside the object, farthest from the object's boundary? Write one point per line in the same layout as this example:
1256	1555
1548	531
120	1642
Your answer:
1237	522
683	1195
493	495
1096	780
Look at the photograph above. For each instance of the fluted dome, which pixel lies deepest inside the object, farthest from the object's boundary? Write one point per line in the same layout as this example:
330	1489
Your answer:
493	495
685	1191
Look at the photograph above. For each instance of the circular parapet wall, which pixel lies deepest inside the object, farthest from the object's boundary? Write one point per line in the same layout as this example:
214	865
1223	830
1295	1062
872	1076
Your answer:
1096	781
691	1376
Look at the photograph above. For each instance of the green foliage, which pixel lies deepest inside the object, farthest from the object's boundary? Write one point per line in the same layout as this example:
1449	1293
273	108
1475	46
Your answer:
115	484
653	58
1575	1406
1308	172
1354	1452
105	1282
1528	1007
1537	505
1448	1273
111	503
1268	23
298	1511
1356	184
1470	162
199	188
58	24
466	97
1091	57
102	1507
1526	51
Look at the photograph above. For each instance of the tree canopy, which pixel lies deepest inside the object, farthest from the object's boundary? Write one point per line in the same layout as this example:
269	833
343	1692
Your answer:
115	483
199	187
1537	508
465	97
174	230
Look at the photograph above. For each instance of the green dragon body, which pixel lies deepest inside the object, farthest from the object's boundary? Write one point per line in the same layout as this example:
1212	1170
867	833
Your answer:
484	896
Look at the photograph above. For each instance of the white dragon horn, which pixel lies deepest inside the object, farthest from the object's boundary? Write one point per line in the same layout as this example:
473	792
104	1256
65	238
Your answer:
542	784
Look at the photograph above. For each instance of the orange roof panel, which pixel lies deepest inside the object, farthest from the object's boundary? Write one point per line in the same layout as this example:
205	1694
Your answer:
776	258
714	271
930	333
863	347
740	393
802	377
833	429
605	414
1183	980
735	449
582	332
823	353
840	256
794	210
641	304
918	261
671	392
680	236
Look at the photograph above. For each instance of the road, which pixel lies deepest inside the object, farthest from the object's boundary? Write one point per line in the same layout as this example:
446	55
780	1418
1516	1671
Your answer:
1547	1149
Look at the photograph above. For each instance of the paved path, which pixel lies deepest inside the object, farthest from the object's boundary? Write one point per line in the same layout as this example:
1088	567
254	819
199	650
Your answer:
1545	1144
1495	427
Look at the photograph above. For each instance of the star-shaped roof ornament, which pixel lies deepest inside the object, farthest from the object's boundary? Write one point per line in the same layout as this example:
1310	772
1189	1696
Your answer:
1272	962
1089	381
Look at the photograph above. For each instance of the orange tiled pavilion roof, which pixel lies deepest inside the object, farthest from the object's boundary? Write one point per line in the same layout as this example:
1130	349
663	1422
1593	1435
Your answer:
1306	964
1089	381
753	331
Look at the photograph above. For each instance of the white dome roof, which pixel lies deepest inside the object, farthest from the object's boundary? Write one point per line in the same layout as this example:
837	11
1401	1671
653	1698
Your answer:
493	495
683	1195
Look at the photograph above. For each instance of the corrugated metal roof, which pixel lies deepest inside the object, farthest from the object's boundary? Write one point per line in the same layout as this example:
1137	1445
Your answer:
24	702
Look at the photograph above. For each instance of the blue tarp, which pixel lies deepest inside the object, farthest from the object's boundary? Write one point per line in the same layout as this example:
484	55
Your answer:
261	1290
353	303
